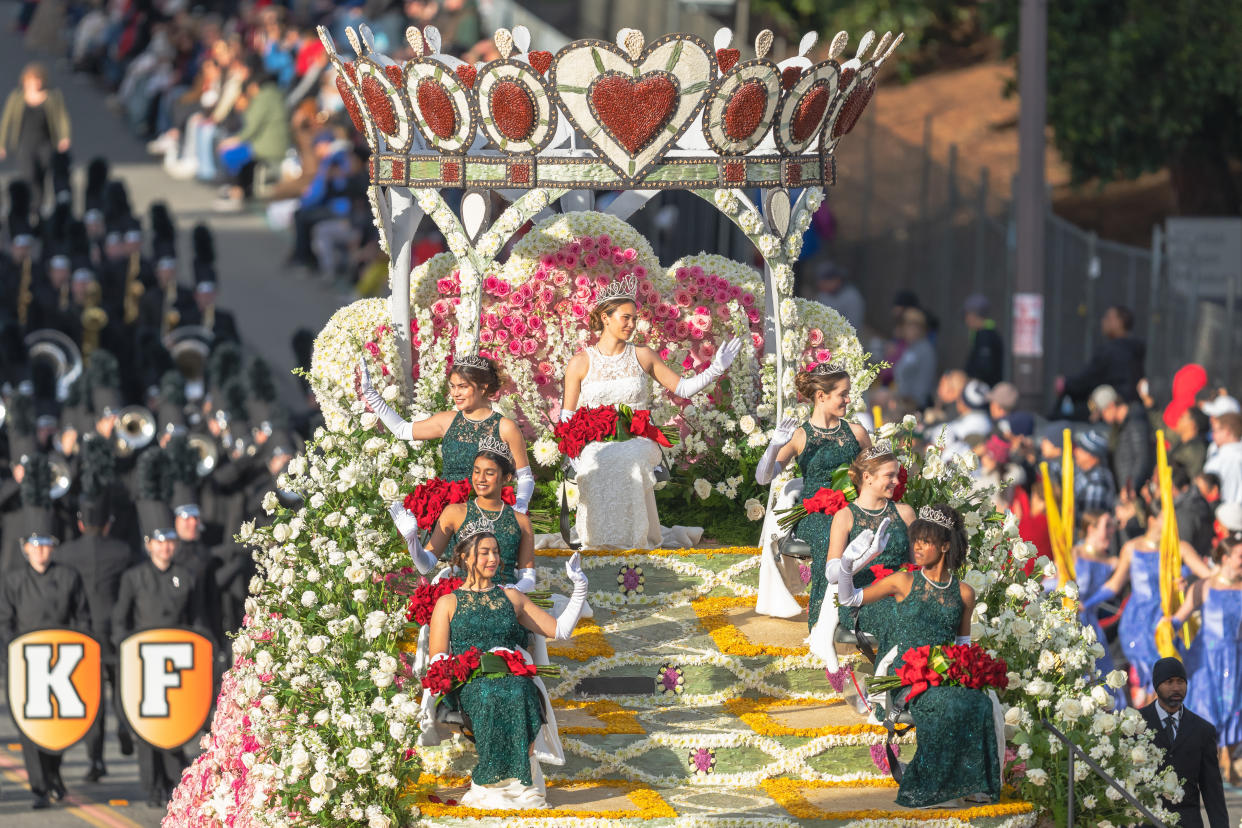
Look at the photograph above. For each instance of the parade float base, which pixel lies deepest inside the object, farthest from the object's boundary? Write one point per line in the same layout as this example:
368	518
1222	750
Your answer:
678	705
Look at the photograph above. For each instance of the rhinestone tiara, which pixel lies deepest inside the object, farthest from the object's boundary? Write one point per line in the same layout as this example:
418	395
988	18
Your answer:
495	446
482	526
623	288
878	449
934	515
472	361
825	368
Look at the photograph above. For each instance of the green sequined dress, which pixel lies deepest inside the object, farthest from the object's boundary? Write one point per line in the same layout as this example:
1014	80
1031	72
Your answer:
506	712
824	452
954	728
460	444
508	537
877	619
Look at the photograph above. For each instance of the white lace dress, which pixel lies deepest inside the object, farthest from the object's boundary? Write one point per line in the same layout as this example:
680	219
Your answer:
616	484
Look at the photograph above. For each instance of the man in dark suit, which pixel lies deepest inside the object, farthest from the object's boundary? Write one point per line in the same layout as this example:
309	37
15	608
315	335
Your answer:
1189	743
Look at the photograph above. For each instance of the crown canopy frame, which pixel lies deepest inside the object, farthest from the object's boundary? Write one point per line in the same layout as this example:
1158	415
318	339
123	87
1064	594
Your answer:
637	117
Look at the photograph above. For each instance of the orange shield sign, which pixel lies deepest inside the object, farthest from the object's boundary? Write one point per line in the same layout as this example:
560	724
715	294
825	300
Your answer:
166	684
55	685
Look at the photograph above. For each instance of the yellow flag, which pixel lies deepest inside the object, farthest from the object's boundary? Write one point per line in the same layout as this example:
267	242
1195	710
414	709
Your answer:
1170	554
1067	490
1062	553
877	414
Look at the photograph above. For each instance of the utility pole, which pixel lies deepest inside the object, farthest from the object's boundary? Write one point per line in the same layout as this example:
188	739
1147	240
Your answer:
1029	295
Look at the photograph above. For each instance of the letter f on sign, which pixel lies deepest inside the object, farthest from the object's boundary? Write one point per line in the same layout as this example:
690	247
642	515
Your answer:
44	680
162	664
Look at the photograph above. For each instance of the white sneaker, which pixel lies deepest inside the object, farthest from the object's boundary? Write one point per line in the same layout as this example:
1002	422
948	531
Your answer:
161	145
182	170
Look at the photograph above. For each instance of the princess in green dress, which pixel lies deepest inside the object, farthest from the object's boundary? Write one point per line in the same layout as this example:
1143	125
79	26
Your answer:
821	445
492	468
874	475
473	382
958	752
510	716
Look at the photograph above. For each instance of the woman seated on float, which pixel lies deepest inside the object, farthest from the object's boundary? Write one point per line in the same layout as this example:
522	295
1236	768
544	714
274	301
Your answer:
510	715
822	444
492	469
958	753
874	475
616	482
473	381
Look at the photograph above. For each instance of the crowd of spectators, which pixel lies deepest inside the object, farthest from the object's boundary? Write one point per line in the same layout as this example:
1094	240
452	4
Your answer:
241	96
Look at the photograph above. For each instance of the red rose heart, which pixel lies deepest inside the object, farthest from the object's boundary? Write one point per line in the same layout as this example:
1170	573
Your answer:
634	111
467	74
394	75
379	105
351	105
789	76
727	59
541	61
852	109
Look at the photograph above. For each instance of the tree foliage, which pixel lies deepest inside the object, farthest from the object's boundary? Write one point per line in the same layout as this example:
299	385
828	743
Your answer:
1136	86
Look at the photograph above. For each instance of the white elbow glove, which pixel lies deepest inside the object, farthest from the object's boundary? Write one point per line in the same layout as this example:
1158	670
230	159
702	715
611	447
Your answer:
861	551
768	467
833	570
407	525
524	489
689	386
568	619
525	581
393	421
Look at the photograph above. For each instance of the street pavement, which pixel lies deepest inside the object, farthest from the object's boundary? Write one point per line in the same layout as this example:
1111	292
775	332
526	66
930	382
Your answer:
269	305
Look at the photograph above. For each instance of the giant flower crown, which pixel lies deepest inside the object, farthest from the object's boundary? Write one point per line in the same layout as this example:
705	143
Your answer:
675	113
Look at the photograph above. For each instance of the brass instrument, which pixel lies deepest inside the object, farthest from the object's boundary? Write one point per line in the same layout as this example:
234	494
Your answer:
133	288
24	295
62	481
57	348
94	319
208	454
135	429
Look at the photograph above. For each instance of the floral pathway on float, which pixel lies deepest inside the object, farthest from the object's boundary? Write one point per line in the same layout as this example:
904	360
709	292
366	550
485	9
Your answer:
742	728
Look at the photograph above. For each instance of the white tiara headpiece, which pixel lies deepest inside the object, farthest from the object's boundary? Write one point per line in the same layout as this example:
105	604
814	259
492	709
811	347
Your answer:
482	526
496	446
472	361
826	368
877	449
623	288
936	516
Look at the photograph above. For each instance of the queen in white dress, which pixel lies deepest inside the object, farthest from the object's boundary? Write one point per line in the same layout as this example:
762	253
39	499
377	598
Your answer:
616	480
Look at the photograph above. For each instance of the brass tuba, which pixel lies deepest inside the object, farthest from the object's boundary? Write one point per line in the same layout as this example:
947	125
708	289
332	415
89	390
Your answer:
135	429
207	453
61	351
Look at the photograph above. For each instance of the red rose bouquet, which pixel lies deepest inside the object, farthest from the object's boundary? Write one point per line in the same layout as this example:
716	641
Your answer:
880	571
423	599
606	423
429	499
448	674
948	665
825	501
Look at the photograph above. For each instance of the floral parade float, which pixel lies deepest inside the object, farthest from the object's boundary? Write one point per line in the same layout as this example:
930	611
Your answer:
317	720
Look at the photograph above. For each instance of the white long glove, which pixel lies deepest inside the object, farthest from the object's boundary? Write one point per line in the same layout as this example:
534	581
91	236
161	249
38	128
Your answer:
767	468
407	525
568	619
525	581
524	489
861	551
394	422
725	354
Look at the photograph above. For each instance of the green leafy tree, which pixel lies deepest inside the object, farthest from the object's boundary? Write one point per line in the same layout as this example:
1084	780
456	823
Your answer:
1137	86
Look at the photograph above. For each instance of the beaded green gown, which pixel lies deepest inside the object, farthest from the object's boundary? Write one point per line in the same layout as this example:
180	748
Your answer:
508	537
505	712
460	444
824	452
877	619
953	726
